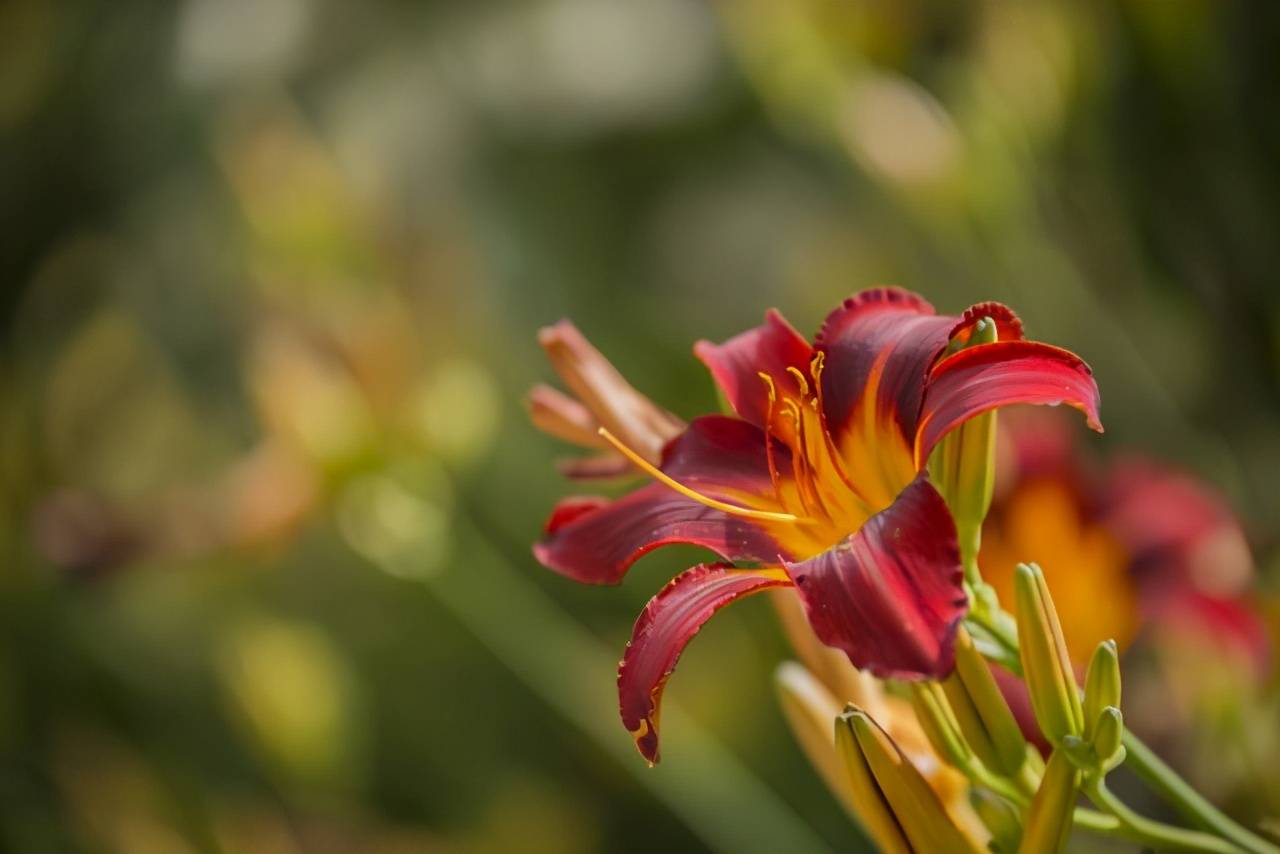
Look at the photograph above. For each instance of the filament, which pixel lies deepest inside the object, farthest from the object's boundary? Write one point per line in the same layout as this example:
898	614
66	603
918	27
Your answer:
768	438
815	367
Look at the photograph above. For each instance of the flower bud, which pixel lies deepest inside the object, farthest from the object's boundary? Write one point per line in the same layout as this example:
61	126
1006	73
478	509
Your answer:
1101	684
874	763
1046	666
869	802
1108	732
963	466
983	713
939	723
1049	819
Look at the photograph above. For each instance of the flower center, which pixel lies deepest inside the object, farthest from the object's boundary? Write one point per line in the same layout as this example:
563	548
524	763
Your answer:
817	490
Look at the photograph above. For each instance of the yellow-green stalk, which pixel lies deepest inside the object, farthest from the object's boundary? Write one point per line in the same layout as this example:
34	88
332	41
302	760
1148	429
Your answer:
963	468
1049	819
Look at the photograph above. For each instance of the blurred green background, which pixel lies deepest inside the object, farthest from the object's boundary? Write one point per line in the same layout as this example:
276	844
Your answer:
273	271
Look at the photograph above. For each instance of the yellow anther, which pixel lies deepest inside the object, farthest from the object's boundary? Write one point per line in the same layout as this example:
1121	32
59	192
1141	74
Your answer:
768	383
800	380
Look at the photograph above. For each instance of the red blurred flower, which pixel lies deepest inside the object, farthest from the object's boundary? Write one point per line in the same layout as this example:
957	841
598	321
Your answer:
818	482
1165	546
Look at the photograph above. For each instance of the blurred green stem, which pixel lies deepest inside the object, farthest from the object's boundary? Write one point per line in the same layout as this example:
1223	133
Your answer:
1153	833
1164	780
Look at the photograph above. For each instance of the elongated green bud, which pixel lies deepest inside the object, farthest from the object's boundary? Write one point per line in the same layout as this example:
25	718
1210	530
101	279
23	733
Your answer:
984	715
1046	666
1049	819
963	468
1106	738
939	723
1101	684
920	815
869	803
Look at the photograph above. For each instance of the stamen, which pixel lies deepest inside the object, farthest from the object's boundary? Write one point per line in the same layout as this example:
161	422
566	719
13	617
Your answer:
815	367
768	438
657	474
800	460
800	380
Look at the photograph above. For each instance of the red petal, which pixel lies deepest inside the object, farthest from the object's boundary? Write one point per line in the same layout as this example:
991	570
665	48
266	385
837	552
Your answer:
1019	700
888	325
1008	324
1179	530
725	458
1228	627
569	509
981	378
599	547
720	457
891	596
878	348
737	363
666	625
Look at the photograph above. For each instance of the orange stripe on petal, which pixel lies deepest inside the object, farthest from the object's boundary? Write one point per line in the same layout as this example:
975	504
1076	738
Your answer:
878	348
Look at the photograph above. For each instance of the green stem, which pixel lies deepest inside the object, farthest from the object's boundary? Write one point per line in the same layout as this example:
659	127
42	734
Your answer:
1145	831
1164	780
1098	822
1002	786
996	638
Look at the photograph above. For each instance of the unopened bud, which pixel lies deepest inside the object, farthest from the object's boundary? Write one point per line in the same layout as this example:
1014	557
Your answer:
869	802
933	711
1108	732
963	466
983	713
1045	663
919	815
1101	684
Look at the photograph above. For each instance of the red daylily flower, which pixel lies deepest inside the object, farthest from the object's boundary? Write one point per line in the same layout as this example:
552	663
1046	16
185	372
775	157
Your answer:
818	483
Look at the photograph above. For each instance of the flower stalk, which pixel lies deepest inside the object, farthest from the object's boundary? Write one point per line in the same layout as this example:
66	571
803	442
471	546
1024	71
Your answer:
963	465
